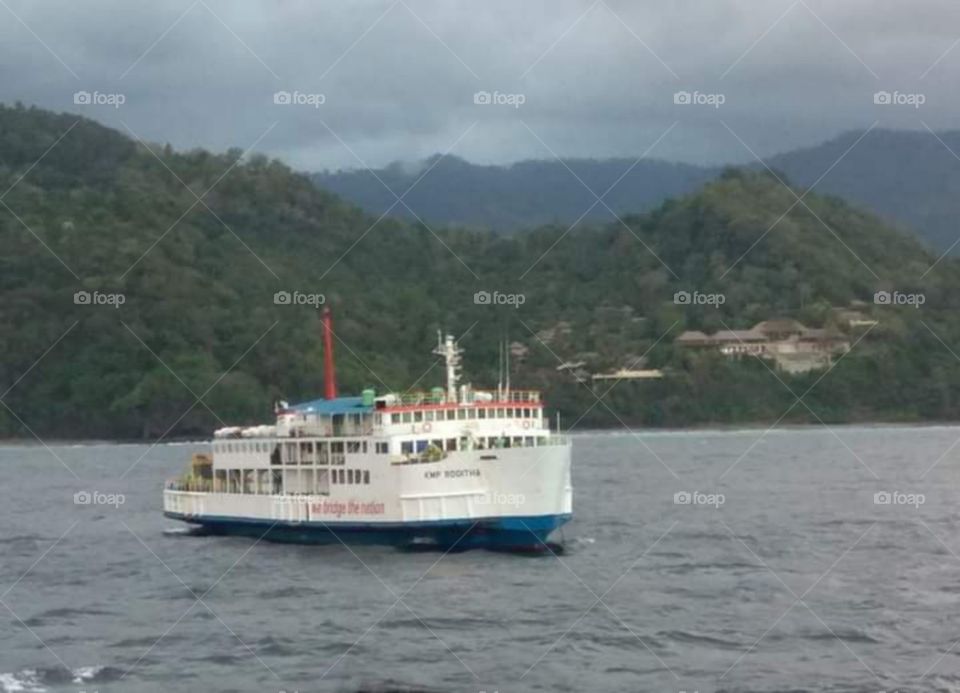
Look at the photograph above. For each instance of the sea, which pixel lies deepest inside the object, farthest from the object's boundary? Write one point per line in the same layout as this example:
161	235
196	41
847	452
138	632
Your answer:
807	559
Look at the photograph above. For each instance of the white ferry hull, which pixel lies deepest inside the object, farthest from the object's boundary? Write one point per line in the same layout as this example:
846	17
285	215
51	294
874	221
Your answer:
467	500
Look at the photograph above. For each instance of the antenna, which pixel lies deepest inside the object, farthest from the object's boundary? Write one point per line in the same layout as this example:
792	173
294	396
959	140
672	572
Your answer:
451	352
506	349
500	371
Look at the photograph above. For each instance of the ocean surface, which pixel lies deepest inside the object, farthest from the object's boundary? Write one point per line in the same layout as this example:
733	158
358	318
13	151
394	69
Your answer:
784	572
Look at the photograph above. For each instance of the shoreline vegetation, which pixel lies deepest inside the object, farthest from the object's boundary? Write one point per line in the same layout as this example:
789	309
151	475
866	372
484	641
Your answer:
745	427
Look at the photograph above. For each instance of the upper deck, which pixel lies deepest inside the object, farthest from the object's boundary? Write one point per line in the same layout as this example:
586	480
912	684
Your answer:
453	411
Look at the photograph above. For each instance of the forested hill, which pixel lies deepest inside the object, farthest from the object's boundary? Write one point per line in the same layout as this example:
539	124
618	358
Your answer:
198	337
909	178
519	196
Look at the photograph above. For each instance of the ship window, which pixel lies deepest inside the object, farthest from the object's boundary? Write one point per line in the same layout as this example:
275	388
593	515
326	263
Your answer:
418	416
461	414
501	412
407	417
366	476
333	476
421	445
528	442
363	446
382	448
337	446
451	414
406	447
353	446
526	413
394	418
451	444
471	413
349	476
340	475
481	413
428	416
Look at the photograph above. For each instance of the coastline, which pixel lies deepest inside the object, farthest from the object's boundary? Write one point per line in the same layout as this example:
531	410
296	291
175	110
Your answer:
746	427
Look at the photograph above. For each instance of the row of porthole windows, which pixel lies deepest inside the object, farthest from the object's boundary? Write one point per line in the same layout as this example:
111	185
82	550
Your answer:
264	482
408	447
244	446
465	414
263	447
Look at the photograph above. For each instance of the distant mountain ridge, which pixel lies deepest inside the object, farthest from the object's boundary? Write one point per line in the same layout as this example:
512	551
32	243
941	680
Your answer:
909	178
522	195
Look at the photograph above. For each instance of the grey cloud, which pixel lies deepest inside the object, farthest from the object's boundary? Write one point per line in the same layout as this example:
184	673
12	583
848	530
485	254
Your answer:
600	86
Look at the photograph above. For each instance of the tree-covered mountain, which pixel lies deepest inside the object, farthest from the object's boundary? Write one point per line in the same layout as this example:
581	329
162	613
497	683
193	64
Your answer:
200	338
451	191
908	178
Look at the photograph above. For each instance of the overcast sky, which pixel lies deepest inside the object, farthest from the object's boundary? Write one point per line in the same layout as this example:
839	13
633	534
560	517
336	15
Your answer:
398	79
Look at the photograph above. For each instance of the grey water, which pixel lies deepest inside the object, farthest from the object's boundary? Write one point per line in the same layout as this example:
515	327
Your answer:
786	560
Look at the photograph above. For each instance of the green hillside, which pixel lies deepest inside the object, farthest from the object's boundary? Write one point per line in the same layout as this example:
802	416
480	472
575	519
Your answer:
99	213
907	177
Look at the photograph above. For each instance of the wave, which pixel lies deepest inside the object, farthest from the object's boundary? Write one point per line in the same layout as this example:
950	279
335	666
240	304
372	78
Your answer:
688	638
38	680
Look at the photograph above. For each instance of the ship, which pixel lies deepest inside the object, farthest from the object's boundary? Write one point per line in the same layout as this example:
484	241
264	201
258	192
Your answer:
449	468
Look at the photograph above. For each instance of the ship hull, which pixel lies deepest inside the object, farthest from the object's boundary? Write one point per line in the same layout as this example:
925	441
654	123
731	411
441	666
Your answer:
510	498
520	533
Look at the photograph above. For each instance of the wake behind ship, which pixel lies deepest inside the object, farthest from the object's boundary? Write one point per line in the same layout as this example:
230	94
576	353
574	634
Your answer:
450	468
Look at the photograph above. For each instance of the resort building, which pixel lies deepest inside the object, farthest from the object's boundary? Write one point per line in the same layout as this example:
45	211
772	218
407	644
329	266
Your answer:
791	345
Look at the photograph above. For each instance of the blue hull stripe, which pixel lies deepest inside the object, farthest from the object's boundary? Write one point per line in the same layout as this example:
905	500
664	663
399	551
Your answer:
516	532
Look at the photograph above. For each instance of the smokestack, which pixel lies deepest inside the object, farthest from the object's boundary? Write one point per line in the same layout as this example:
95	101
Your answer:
329	375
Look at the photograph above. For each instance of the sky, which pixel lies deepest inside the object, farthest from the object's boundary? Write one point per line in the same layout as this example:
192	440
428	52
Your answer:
325	86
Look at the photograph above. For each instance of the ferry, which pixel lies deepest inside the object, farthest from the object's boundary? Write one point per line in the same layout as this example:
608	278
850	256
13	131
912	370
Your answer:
451	468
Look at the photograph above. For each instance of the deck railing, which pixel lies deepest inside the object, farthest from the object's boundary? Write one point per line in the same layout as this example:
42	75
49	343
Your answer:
414	398
191	484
